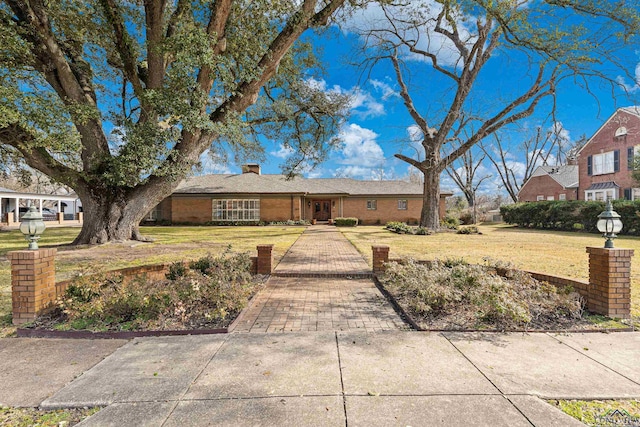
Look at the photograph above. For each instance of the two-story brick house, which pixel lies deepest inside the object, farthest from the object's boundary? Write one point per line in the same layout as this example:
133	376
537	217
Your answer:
605	163
604	166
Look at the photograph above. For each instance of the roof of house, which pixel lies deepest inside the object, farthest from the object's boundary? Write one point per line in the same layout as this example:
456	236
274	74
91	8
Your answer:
565	175
251	183
634	109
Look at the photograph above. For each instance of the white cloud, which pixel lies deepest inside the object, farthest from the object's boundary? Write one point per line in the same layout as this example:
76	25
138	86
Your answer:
283	152
386	90
362	103
633	87
211	163
359	147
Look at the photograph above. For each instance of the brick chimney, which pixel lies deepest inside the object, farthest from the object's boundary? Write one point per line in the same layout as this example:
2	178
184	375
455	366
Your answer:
251	168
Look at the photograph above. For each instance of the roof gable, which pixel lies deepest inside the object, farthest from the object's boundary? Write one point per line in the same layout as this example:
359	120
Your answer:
633	111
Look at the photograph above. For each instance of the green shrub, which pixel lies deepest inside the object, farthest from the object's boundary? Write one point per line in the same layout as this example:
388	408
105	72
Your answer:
346	222
450	222
471	229
570	215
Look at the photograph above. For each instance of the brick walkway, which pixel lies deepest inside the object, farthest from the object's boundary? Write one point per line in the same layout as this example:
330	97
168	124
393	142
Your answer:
321	284
322	250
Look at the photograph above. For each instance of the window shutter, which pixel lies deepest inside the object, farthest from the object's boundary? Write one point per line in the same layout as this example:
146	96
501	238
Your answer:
627	194
616	161
630	158
590	165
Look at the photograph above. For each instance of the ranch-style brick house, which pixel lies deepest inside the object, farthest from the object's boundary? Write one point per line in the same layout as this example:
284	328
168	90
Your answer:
251	197
602	169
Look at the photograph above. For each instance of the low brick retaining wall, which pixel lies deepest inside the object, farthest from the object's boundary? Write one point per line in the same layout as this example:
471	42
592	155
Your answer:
34	289
608	291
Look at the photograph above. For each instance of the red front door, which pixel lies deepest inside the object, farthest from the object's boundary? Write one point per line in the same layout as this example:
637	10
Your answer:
321	210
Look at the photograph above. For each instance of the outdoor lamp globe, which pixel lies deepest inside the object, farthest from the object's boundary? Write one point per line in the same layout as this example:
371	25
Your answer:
32	226
609	224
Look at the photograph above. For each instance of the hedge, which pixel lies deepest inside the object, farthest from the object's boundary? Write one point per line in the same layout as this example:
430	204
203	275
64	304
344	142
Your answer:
346	222
570	215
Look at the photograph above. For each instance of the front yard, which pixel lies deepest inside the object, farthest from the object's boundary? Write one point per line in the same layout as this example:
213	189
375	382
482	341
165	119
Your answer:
171	244
558	253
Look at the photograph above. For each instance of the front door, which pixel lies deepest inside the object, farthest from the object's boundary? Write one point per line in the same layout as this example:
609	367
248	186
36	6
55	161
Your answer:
322	210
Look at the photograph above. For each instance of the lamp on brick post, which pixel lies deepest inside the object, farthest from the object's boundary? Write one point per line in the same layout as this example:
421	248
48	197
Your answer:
32	226
609	224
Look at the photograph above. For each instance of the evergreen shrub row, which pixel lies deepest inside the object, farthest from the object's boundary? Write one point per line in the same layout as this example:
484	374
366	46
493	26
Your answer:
570	215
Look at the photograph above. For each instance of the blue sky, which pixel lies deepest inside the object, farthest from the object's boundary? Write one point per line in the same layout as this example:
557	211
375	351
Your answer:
379	125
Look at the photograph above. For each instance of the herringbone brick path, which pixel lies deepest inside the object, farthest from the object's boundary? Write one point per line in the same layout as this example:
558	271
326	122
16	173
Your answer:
321	284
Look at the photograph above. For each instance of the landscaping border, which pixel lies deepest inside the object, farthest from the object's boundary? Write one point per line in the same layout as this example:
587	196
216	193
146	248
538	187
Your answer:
416	325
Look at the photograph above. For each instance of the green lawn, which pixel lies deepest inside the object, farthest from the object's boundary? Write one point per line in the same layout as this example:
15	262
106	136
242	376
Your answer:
171	244
559	253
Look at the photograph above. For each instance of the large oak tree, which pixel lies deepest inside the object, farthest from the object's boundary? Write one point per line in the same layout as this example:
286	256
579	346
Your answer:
118	99
440	51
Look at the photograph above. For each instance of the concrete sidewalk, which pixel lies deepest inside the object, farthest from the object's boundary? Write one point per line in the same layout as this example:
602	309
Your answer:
352	378
341	374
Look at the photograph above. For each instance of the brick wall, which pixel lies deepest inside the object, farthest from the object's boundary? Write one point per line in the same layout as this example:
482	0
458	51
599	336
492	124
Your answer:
191	209
603	141
33	287
544	186
386	209
608	291
279	208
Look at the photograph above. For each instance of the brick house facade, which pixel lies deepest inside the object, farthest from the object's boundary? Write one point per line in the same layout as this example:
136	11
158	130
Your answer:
251	197
606	161
604	166
551	183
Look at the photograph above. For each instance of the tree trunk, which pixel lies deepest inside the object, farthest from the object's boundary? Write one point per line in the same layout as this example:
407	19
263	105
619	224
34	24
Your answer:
114	213
430	216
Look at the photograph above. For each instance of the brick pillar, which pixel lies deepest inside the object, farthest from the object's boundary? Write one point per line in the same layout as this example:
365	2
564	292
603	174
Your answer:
265	259
33	283
60	217
380	257
81	217
610	282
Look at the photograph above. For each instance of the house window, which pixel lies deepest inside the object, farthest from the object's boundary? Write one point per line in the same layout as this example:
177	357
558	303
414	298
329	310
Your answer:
635	194
562	196
540	198
550	198
608	162
632	152
153	214
600	195
402	204
372	205
236	210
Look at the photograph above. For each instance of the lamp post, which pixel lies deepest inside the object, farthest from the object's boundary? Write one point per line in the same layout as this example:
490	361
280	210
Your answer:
609	224
32	226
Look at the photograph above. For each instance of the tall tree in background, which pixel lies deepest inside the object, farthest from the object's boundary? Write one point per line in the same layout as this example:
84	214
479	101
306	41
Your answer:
118	99
448	43
463	172
541	148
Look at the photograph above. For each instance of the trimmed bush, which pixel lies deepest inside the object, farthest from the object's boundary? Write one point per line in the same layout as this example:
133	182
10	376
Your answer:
570	215
346	222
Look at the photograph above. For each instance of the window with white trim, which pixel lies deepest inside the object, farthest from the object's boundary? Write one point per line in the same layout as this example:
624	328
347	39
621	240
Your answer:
603	163
562	196
372	205
635	194
236	210
402	204
601	195
550	198
539	198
